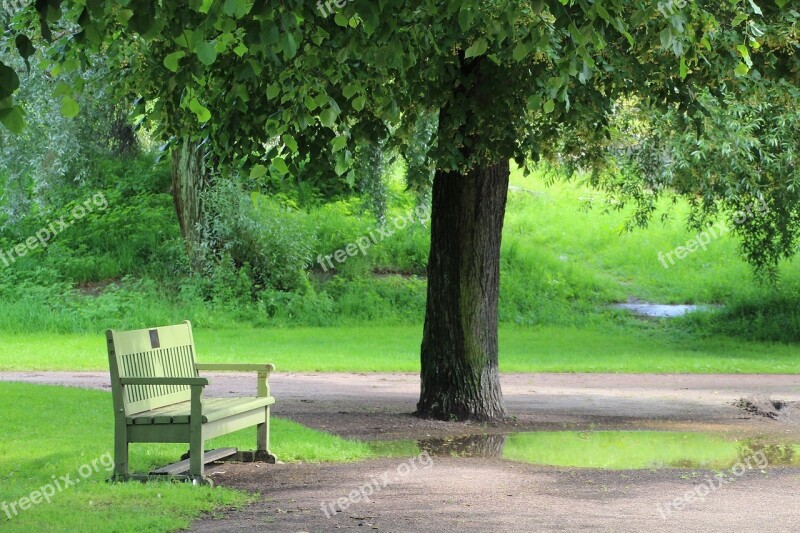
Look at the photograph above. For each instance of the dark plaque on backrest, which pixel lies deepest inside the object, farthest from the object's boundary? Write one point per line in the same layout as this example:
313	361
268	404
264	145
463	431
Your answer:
154	342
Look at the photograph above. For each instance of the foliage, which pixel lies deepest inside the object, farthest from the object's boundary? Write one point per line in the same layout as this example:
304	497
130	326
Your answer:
255	234
524	73
420	168
744	166
42	165
770	317
370	166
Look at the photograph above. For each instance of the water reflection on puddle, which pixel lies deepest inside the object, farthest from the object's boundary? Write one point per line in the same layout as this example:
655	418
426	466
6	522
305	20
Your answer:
612	449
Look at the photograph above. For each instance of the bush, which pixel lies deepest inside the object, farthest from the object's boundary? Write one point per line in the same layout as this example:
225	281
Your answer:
255	235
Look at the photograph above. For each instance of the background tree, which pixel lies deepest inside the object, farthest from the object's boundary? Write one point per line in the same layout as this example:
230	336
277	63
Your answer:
510	79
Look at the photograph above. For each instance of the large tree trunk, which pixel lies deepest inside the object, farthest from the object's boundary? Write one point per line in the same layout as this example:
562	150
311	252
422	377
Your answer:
190	179
460	379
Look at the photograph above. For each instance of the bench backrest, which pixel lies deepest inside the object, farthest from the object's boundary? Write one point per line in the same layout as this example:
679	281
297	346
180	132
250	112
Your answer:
158	352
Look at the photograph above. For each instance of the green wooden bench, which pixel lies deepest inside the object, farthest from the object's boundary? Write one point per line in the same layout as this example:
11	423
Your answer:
158	397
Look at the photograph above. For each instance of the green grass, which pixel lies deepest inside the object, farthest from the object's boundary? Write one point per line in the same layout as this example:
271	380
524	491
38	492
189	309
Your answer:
396	349
54	431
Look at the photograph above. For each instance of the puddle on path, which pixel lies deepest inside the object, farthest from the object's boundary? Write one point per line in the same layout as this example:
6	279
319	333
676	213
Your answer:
611	449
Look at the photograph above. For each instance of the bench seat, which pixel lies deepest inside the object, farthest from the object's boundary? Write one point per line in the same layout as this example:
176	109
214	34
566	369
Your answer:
213	409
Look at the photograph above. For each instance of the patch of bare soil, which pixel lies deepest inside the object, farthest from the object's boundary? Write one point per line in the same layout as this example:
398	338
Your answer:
773	409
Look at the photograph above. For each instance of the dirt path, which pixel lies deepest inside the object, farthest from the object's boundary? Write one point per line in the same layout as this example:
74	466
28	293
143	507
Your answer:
378	406
464	494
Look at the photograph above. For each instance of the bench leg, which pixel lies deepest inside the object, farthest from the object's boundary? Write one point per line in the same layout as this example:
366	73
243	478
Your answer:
196	453
120	452
262	440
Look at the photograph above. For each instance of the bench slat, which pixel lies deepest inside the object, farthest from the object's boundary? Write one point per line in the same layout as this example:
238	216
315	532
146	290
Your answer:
213	409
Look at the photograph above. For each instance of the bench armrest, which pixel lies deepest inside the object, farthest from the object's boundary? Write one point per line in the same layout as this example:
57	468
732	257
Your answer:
263	373
239	367
194	382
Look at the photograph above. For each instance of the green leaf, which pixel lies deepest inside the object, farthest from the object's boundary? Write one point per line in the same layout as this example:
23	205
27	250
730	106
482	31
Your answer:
478	48
328	118
290	142
338	143
237	8
202	112
62	89
240	50
741	17
310	103
370	15
520	52
273	91
69	107
534	102
24	46
342	163
465	17
340	20
13	119
684	68
206	53
279	164
358	103
745	53
549	106
289	45
349	90
9	81
258	171
742	69
172	60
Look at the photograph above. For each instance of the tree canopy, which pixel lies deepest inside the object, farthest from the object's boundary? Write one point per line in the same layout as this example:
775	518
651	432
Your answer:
242	72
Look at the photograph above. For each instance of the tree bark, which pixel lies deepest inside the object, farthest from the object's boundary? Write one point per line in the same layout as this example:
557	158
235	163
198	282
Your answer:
190	178
460	378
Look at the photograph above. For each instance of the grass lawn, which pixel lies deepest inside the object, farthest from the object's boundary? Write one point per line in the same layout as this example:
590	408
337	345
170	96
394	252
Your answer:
50	432
396	349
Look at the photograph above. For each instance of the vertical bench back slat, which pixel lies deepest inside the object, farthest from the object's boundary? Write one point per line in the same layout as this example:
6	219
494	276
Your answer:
159	352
